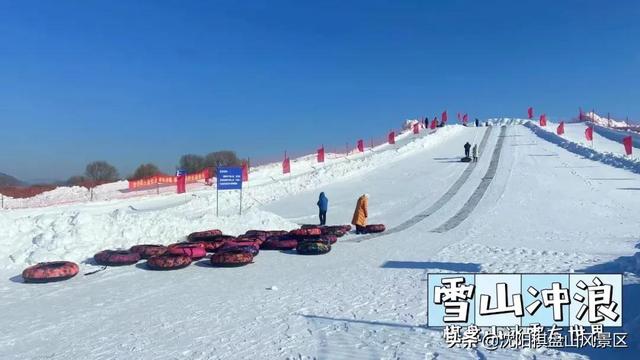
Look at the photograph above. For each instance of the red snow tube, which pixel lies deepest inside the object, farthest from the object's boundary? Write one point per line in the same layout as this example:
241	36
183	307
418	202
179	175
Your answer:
282	242
337	230
147	251
116	257
168	262
326	239
332	239
253	248
210	246
194	250
310	231
50	271
375	228
276	233
257	233
313	248
206	235
231	258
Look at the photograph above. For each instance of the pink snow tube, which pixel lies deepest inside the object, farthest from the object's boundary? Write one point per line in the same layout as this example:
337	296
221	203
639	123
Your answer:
310	231
50	271
168	262
147	251
195	251
281	242
116	257
207	235
375	228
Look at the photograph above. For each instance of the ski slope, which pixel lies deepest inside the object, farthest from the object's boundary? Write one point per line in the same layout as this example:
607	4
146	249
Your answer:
533	207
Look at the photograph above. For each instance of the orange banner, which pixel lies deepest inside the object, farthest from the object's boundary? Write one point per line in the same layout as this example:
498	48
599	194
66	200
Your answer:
166	179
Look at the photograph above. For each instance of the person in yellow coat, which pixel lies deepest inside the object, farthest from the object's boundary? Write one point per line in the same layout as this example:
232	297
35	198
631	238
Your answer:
360	214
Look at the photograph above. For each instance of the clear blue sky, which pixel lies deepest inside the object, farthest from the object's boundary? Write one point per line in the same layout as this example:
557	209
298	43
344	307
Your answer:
146	81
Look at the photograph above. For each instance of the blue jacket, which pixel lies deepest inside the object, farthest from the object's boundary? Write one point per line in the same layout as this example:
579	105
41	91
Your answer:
323	202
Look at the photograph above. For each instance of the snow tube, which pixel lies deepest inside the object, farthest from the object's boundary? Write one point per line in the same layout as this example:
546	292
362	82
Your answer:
310	231
168	262
325	239
195	250
313	248
210	246
207	235
50	271
231	258
116	257
252	248
257	233
332	239
466	159
251	238
375	228
147	251
282	242
276	233
334	230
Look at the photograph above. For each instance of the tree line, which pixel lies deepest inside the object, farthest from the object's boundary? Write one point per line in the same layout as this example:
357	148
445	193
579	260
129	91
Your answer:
100	172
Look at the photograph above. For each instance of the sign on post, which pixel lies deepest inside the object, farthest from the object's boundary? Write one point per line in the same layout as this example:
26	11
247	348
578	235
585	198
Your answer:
229	178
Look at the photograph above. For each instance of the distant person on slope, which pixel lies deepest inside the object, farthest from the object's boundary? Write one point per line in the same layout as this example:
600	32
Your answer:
323	205
477	122
467	147
474	152
426	122
360	214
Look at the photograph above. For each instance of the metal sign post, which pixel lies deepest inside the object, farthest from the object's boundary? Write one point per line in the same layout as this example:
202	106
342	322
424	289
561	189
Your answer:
228	178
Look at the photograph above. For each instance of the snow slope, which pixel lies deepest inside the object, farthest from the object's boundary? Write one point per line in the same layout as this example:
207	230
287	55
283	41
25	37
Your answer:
545	209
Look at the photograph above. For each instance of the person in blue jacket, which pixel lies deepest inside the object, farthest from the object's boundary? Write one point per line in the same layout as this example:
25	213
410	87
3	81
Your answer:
323	205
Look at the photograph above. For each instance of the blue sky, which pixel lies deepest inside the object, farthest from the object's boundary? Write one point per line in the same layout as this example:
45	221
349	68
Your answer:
146	81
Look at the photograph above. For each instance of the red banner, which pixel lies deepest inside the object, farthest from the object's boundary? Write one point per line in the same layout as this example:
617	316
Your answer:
320	156
543	120
245	170
434	124
588	133
530	113
392	138
628	144
286	166
560	129
465	118
361	145
444	116
416	128
168	180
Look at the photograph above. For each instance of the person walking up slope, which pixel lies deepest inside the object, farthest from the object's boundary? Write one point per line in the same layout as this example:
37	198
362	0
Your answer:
323	206
467	147
360	214
474	152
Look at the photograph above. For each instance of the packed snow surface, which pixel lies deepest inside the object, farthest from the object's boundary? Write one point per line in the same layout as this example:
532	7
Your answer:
547	209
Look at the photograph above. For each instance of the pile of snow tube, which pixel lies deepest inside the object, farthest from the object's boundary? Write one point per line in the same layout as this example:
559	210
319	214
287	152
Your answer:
116	257
147	251
231	258
50	271
168	262
317	247
375	228
195	251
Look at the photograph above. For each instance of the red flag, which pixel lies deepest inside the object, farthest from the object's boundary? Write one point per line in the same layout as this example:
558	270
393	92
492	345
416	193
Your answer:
530	112
588	133
543	120
321	155
392	138
434	123
444	116
628	144
465	118
416	128
286	166
560	129
245	170
360	145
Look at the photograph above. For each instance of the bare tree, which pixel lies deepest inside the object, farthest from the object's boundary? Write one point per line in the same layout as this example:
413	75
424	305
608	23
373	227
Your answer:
221	158
145	171
101	172
192	163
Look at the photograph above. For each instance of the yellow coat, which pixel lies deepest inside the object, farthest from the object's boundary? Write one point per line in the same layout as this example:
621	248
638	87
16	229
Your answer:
361	212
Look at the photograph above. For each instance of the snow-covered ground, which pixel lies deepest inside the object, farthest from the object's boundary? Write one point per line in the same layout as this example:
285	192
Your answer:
547	209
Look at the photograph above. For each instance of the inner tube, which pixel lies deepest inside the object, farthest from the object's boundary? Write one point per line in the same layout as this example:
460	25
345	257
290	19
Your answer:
206	235
168	262
313	248
311	231
258	233
279	243
251	238
116	257
147	251
375	228
336	230
231	258
249	247
276	233
45	272
210	246
325	239
194	250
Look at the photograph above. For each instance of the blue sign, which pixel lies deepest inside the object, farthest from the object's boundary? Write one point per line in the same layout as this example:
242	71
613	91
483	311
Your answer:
229	178
181	172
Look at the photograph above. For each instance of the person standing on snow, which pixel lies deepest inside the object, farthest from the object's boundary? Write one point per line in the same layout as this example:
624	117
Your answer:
323	205
360	214
474	152
477	122
467	147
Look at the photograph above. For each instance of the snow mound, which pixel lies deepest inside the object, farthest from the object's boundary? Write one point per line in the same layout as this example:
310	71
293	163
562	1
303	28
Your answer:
604	121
